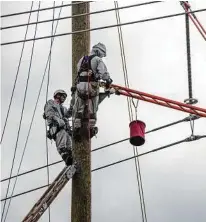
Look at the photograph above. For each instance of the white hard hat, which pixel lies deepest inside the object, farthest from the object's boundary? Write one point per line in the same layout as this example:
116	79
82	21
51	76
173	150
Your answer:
59	91
101	47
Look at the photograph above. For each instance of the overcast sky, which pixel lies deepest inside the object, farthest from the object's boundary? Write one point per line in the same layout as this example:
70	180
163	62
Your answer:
174	179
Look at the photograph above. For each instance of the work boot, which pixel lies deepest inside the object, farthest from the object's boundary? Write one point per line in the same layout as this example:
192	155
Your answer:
93	131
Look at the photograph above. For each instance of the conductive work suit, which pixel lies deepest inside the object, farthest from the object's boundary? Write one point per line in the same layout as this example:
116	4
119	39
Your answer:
87	89
57	117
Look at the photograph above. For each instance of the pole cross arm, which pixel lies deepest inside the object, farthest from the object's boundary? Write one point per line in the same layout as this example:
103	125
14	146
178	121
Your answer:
50	194
120	90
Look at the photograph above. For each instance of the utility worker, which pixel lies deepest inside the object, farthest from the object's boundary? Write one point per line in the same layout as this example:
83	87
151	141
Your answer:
90	69
57	117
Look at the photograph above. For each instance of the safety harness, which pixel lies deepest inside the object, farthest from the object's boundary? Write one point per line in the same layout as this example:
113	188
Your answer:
86	67
90	77
54	128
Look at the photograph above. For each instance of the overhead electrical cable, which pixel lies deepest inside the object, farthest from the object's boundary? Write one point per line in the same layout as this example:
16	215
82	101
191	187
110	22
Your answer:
47	89
105	146
189	139
101	28
20	122
42	9
79	15
17	74
130	112
32	119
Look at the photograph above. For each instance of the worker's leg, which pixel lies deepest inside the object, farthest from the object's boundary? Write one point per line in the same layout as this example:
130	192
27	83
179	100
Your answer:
93	107
64	146
78	111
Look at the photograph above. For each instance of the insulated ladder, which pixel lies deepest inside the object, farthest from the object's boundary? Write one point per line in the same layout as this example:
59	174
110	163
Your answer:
50	194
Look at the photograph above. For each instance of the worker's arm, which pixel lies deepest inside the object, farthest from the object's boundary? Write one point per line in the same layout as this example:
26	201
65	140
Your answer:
51	114
103	73
67	115
72	101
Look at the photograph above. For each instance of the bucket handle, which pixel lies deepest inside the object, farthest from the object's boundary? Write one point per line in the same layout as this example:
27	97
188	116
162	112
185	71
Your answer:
135	107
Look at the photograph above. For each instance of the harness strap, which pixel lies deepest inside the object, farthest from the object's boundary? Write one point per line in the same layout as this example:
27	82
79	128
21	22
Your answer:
86	69
86	96
85	78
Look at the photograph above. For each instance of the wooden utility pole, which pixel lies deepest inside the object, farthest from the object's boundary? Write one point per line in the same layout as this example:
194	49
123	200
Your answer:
81	182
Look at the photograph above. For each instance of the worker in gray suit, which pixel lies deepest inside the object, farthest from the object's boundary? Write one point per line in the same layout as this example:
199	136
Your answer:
90	69
57	117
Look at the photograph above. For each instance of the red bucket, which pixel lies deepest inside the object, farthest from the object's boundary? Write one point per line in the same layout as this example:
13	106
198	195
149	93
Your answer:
137	133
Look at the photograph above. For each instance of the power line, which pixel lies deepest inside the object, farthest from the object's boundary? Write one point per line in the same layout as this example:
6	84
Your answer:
20	122
129	104
29	191
17	73
42	9
47	89
103	27
32	119
142	154
189	139
33	170
78	15
193	117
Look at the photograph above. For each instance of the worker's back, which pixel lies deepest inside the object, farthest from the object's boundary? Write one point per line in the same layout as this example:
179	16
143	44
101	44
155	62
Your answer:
98	71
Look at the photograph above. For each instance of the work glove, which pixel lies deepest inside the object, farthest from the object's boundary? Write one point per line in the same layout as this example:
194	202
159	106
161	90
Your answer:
61	123
108	82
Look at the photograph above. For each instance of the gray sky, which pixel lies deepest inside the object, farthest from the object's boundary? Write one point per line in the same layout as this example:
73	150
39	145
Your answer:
174	180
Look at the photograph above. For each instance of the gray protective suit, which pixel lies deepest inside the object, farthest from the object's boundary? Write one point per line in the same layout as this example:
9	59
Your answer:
83	88
57	117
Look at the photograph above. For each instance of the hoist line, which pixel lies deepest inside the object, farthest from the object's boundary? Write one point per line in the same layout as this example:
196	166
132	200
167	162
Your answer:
17	73
108	145
123	58
20	123
47	90
103	27
34	109
130	112
42	9
83	14
115	163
